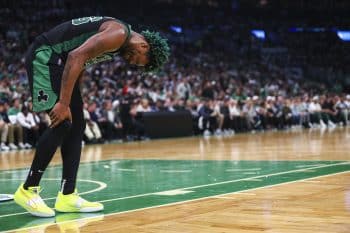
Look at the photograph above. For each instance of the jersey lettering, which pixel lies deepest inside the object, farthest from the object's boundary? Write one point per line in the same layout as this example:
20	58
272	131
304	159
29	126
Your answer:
86	20
101	58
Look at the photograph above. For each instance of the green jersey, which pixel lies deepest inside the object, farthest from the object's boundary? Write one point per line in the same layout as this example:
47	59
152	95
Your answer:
71	34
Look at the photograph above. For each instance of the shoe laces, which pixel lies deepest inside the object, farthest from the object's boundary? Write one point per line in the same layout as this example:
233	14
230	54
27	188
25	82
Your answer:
35	189
79	199
35	201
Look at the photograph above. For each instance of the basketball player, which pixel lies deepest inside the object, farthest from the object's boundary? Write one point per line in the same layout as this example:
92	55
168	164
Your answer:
54	63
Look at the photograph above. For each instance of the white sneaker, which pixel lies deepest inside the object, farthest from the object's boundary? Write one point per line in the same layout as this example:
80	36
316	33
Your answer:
4	147
21	145
27	146
32	202
231	132
218	132
331	124
225	132
206	133
13	146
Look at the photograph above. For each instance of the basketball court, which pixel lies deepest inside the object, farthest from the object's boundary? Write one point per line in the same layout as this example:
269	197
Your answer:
273	182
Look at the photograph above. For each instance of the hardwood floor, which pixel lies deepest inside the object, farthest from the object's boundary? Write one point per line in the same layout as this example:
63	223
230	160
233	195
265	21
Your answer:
317	204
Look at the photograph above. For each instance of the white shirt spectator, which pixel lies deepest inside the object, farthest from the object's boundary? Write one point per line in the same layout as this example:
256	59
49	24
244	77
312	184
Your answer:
341	105
347	101
27	121
110	116
295	109
13	119
183	90
314	107
86	114
153	95
140	108
234	110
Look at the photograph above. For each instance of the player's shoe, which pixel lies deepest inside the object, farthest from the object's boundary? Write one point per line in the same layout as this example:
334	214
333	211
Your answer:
32	202
73	203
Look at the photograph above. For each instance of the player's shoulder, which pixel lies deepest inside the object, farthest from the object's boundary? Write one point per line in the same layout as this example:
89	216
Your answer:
116	27
115	24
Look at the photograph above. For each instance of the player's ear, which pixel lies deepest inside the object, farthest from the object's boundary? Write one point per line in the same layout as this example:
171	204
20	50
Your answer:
145	45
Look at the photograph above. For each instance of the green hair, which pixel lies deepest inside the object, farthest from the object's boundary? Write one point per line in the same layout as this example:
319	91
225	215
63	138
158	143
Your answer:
159	51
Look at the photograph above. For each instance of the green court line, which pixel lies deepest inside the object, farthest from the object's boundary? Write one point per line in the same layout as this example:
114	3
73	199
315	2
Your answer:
208	178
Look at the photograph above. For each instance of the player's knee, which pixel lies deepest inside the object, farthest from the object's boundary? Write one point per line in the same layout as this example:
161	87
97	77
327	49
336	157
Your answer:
64	127
55	134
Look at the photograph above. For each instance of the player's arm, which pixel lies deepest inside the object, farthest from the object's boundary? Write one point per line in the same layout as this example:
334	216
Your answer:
109	39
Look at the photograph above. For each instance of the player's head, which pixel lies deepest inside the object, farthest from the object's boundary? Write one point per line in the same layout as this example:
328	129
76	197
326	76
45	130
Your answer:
147	49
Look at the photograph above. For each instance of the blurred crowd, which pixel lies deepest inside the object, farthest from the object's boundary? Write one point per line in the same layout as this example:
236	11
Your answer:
228	88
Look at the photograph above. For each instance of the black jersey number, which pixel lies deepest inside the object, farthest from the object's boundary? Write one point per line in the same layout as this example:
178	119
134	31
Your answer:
86	20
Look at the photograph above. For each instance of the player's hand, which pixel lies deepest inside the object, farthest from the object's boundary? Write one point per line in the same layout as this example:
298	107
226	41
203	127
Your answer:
59	113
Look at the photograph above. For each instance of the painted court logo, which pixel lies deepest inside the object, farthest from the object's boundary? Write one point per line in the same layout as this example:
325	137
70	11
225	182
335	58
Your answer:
42	96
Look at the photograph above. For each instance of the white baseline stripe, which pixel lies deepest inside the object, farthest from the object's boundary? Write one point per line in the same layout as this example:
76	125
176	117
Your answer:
309	165
243	169
126	170
175	171
26	170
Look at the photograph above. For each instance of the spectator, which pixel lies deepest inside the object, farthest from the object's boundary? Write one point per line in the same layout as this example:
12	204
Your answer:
329	113
315	110
110	121
28	121
206	121
183	89
92	130
143	106
237	117
300	114
342	109
287	114
14	129
227	124
219	117
136	111
201	66
125	115
3	132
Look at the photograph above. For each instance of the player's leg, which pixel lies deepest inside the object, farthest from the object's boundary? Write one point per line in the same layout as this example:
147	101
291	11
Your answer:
46	148
27	194
68	199
71	146
43	77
